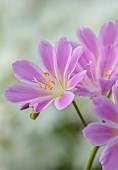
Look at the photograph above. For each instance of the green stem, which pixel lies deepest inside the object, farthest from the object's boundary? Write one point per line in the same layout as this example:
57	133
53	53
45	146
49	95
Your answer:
91	158
95	148
79	113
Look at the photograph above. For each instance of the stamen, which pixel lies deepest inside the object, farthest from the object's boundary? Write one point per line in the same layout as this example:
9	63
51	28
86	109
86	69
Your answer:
110	69
42	78
90	64
84	84
106	72
47	85
40	85
46	74
91	79
54	77
50	82
106	75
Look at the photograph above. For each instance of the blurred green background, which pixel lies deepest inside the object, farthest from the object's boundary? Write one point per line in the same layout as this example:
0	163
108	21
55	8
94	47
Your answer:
54	140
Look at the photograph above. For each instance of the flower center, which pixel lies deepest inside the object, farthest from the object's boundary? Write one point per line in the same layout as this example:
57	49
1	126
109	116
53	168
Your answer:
106	75
93	74
50	82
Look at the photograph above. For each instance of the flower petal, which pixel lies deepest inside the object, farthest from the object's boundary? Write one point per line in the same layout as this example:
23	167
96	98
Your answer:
75	57
108	60
22	94
47	56
75	80
115	92
73	45
63	53
105	109
41	99
27	71
100	133
64	101
88	39
109	157
38	107
106	85
109	33
82	91
87	62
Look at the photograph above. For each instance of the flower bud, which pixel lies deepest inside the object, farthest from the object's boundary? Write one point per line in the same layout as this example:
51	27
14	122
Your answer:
34	115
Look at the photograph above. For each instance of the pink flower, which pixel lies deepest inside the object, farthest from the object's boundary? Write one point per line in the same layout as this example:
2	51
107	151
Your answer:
100	58
105	133
41	89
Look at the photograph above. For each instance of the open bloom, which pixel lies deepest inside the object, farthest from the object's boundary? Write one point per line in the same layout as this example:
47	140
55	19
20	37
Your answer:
52	85
105	133
100	59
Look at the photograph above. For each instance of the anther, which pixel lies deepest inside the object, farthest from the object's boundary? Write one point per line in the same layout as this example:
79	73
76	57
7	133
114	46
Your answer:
45	86
106	75
50	80
41	78
94	82
46	74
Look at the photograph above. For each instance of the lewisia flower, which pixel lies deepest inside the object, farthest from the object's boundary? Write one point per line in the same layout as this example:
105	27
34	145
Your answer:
105	133
54	84
100	58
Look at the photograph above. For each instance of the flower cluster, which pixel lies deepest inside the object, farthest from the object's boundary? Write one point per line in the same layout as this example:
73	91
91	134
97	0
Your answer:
86	69
99	58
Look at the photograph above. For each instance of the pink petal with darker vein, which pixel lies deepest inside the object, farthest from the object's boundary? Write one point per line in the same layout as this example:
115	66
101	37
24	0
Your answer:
63	101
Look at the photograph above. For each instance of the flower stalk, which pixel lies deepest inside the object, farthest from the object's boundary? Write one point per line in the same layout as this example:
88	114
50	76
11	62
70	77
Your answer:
91	158
95	148
79	114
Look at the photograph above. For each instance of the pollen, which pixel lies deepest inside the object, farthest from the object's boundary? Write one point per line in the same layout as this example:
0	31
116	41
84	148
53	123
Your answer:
49	81
91	79
52	81
84	83
94	82
46	74
106	72
106	75
54	77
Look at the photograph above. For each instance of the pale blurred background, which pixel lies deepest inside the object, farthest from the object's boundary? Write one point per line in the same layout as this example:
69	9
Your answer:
54	140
